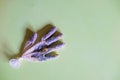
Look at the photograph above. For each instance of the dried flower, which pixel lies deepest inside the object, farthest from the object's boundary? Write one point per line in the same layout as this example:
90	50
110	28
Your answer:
40	51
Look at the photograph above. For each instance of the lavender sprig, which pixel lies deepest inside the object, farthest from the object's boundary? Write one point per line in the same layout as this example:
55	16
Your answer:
42	50
31	40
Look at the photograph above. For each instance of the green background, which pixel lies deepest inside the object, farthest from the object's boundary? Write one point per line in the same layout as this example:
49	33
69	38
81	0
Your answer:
91	31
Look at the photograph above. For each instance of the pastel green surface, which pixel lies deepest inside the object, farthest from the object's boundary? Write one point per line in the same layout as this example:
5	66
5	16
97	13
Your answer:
91	31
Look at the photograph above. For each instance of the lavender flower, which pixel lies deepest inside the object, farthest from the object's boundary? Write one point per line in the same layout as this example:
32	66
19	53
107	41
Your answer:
31	40
42	50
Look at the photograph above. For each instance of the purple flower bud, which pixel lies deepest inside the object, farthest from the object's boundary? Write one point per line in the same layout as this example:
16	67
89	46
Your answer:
51	32
53	39
31	40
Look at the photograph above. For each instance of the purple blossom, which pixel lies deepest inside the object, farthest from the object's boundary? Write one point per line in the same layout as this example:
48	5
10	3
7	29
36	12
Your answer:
43	49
